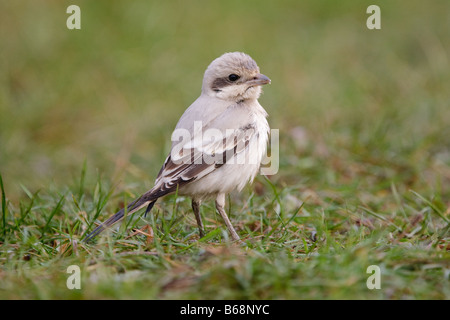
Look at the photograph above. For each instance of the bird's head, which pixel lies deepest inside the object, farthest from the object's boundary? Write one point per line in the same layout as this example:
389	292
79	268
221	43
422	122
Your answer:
233	76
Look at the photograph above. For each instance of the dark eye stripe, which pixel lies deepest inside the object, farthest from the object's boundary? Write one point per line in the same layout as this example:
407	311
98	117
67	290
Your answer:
220	83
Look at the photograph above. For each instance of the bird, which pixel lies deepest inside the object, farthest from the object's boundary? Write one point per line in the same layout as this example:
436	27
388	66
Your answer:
218	143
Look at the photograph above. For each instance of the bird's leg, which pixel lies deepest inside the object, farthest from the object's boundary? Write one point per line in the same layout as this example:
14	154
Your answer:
220	204
198	217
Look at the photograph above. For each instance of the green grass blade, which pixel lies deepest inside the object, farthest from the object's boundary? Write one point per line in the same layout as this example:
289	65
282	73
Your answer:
431	205
54	211
3	205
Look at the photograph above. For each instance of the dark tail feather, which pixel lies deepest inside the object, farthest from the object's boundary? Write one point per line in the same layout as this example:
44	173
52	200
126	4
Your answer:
132	207
150	206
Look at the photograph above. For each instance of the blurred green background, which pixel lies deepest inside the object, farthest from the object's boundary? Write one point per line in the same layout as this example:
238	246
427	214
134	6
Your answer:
364	117
112	92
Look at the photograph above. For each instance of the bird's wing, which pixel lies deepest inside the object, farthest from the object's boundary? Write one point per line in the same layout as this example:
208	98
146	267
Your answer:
197	158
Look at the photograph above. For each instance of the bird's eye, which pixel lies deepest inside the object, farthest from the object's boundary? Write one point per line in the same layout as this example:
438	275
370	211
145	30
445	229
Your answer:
233	77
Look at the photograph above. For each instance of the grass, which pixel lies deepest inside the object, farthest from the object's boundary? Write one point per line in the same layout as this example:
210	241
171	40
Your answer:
364	179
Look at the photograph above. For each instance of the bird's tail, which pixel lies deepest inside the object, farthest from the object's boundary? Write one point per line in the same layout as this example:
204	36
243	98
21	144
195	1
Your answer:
131	208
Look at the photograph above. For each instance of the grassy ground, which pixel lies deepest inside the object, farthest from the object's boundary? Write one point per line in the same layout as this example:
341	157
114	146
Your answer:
364	179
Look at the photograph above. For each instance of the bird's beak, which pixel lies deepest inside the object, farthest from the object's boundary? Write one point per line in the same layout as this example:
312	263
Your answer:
259	80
